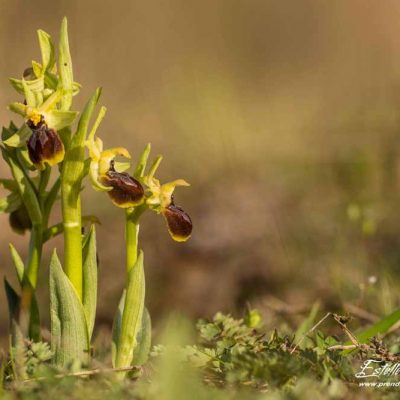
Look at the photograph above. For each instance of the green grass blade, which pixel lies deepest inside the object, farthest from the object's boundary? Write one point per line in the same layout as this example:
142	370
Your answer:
379	328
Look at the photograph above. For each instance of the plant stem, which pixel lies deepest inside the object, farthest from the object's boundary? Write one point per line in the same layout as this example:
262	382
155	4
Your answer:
71	209
132	235
71	184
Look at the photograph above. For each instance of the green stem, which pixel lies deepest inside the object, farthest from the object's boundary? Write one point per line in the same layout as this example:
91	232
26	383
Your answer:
132	235
71	209
73	171
43	181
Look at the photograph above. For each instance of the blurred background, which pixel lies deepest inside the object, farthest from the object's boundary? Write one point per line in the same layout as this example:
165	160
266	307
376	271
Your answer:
284	117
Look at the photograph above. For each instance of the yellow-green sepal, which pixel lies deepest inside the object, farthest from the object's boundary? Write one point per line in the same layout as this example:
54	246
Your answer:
57	119
47	50
20	137
35	85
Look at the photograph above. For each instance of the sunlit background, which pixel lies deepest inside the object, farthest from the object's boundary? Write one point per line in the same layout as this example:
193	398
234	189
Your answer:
283	115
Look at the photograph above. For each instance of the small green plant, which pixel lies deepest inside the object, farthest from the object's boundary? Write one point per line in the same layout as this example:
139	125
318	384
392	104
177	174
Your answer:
49	158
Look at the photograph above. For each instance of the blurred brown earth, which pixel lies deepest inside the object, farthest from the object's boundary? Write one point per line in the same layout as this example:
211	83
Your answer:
284	117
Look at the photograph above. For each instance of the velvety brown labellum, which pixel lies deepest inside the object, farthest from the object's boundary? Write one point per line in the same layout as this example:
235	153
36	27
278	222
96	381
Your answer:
20	221
179	223
44	145
126	191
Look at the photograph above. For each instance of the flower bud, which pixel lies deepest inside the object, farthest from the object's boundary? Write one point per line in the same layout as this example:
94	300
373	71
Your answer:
20	221
178	222
44	145
126	191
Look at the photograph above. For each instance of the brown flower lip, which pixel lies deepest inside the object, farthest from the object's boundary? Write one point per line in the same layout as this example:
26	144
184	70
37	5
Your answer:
126	191
44	145
179	222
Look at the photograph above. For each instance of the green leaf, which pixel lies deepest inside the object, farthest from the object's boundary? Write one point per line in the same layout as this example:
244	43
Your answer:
116	328
141	165
20	137
132	315
58	119
6	133
65	67
12	127
10	203
17	339
89	295
12	301
69	335
47	50
18	263
25	187
379	328
141	353
24	159
9	184
34	320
